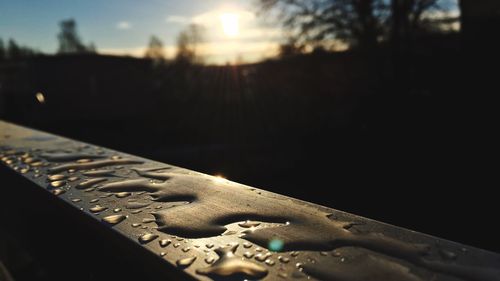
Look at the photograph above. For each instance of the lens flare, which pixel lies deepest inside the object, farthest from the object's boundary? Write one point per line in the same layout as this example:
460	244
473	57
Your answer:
40	97
276	245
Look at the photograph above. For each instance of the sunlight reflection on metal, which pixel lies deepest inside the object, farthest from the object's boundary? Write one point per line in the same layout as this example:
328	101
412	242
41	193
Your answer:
220	178
40	97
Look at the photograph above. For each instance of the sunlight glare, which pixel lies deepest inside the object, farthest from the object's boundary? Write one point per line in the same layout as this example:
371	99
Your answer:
219	178
229	23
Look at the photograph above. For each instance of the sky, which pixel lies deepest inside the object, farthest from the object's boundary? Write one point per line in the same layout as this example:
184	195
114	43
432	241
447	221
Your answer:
124	27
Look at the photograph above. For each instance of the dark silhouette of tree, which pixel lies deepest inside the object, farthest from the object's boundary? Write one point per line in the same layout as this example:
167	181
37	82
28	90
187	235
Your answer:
188	42
155	50
313	23
289	49
2	50
69	40
358	23
15	51
406	18
92	48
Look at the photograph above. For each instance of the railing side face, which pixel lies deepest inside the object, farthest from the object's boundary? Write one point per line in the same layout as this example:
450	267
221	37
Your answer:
205	227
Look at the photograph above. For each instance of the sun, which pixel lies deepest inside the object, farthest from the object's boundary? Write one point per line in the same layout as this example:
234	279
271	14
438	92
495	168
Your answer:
229	23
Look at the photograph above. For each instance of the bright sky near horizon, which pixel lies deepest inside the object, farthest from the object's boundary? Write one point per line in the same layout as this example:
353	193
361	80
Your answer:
125	26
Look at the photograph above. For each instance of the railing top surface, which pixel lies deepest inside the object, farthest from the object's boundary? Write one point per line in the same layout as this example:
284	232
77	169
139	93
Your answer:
211	228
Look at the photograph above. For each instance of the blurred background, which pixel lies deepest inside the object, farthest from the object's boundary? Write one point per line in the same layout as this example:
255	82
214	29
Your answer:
382	108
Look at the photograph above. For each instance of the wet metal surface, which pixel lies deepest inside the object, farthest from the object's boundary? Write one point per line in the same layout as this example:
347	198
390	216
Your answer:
214	229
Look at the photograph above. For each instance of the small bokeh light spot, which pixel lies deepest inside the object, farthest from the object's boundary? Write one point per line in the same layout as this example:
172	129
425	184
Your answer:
276	245
40	97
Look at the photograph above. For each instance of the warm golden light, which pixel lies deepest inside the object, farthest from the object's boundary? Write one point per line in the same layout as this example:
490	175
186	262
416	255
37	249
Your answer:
40	97
229	23
220	178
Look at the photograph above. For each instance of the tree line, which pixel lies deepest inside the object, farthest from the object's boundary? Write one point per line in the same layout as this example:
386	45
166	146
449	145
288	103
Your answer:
70	42
356	24
309	25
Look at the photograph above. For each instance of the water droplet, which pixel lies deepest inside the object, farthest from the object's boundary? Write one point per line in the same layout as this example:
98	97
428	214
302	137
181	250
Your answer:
72	179
185	262
91	165
94	200
28	160
247	244
262	257
294	253
24	170
57	183
210	245
258	249
76	200
114	219
58	191
248	255
229	264
230	232
363	267
117	210
209	260
136	211
90	183
122	194
283	259
269	262
148	220
98	209
83	160
163	254
136	224
136	205
185	250
282	275
165	242
176	245
248	224
448	255
147	237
